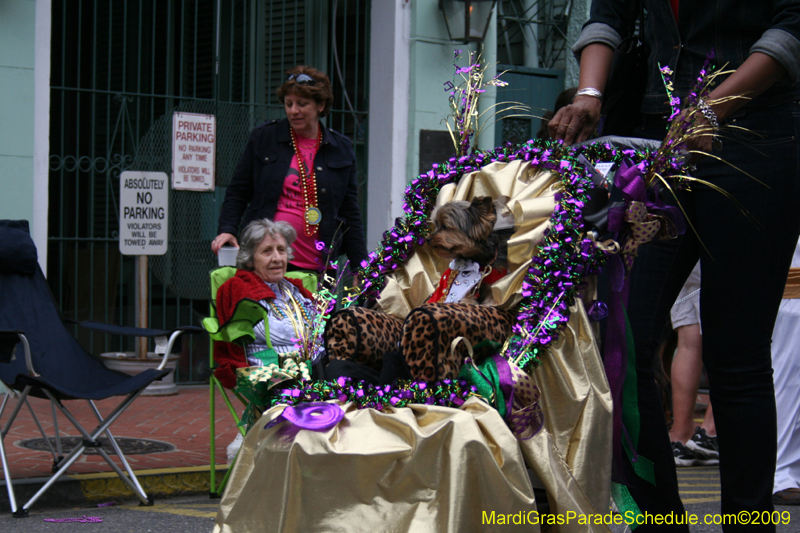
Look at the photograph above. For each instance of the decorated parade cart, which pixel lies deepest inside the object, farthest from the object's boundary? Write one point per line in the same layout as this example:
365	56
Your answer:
538	414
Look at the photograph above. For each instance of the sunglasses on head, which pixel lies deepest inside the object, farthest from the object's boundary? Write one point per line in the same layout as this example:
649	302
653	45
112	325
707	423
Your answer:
301	79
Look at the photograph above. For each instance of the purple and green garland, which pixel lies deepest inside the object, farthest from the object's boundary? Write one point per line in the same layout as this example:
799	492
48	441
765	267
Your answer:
559	266
447	393
560	263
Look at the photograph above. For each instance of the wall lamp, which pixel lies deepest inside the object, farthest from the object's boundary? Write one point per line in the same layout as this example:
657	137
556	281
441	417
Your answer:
467	21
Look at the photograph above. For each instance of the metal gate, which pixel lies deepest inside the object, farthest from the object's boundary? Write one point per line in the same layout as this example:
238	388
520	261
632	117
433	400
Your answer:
119	72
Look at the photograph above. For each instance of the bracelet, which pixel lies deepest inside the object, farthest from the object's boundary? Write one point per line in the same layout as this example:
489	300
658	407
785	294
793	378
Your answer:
707	112
588	91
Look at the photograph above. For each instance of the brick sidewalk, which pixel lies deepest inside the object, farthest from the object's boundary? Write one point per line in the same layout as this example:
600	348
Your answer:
181	420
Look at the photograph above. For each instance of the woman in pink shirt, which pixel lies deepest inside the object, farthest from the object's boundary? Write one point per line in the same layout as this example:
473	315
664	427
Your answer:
298	171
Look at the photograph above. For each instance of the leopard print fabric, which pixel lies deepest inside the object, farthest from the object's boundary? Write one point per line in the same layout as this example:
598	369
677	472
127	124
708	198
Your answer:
430	329
362	335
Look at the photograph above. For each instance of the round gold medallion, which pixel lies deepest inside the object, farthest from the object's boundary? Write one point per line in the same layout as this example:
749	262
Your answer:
313	216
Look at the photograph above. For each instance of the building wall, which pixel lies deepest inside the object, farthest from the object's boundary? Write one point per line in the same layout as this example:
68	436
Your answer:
24	59
578	17
412	58
431	66
17	38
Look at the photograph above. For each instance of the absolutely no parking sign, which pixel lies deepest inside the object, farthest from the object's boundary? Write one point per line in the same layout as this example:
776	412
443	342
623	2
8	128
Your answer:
143	213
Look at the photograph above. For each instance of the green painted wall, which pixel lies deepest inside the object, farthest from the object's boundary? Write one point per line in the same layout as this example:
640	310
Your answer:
17	31
431	65
578	16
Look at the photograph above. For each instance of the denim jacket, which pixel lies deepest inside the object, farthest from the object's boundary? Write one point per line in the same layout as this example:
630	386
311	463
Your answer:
732	28
257	184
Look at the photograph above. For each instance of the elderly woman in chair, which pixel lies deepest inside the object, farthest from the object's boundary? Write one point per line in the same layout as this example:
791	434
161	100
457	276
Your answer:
264	252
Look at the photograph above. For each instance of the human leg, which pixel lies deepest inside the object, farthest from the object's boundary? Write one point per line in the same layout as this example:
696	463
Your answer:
744	266
786	377
658	274
708	422
687	366
692	445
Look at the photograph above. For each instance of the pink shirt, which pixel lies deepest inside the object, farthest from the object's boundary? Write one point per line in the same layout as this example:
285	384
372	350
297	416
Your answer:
291	208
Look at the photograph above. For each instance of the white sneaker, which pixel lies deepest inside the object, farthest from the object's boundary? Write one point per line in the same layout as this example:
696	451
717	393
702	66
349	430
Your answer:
233	447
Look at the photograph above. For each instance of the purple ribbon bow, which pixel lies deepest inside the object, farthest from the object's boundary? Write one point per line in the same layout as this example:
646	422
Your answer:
638	208
316	416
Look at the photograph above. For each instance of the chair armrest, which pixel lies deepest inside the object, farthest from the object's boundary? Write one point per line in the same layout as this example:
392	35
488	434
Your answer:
131	331
165	339
172	338
7	336
11	338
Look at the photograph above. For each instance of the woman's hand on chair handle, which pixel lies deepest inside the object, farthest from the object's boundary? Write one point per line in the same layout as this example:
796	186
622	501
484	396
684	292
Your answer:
577	121
222	239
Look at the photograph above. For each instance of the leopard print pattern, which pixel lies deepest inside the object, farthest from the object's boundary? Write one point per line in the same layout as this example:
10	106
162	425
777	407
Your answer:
362	336
429	330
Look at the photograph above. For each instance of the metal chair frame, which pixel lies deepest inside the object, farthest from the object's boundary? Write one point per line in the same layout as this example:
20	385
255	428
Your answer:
90	438
213	328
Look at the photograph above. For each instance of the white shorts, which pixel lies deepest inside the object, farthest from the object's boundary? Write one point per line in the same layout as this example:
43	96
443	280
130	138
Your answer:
686	310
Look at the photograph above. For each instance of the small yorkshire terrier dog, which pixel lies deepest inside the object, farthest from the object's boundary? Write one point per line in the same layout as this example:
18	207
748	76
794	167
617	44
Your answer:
465	230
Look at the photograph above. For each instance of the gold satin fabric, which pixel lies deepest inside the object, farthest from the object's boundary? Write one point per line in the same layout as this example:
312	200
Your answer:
792	289
428	468
571	455
417	469
529	196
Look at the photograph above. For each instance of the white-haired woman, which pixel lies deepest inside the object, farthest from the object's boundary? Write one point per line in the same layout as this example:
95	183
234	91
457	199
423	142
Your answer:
264	253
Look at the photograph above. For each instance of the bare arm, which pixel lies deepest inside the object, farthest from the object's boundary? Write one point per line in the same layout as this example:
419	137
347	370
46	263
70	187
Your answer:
577	121
753	77
757	74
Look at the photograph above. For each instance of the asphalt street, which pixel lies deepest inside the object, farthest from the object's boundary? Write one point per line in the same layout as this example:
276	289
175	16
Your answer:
192	514
195	514
699	488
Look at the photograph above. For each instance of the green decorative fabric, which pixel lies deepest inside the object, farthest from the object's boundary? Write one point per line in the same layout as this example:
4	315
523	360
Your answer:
485	378
267	357
642	466
625	504
630	412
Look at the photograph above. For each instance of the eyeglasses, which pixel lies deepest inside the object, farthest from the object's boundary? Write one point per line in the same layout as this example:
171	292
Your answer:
301	79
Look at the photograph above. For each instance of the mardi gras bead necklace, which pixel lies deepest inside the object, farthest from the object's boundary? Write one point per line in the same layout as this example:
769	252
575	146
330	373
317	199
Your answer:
281	313
299	316
308	182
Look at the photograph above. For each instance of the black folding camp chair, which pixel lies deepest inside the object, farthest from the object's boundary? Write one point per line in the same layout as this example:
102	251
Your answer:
6	352
50	363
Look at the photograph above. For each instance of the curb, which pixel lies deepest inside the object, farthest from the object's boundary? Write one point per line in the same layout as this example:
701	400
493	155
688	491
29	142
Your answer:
91	489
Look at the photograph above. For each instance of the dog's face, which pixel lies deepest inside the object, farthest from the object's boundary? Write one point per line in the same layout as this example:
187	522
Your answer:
463	229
